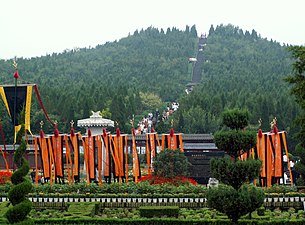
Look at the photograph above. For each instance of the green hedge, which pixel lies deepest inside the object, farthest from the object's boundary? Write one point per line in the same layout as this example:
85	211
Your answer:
167	221
122	189
159	211
80	209
143	189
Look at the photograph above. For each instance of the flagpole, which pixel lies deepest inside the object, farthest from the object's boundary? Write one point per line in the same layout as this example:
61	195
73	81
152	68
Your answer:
16	76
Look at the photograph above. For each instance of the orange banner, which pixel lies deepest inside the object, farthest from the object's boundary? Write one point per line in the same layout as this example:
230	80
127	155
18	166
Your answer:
126	159
86	159
135	160
261	151
278	156
162	142
89	141
148	153
114	156
68	159
75	148
45	157
121	156
181	143
172	142
286	151
158	142
270	162
99	159
58	155
152	146
52	160
106	165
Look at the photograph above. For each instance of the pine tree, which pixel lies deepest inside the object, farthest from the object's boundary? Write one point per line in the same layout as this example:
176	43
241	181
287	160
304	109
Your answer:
233	197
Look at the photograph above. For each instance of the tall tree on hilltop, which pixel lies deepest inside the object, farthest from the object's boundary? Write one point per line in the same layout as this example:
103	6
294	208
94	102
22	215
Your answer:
194	31
211	31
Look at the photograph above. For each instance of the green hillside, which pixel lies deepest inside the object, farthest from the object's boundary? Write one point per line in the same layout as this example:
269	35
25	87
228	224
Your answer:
240	69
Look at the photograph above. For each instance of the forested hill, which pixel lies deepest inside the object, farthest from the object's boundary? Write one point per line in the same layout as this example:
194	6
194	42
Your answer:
110	77
242	70
140	72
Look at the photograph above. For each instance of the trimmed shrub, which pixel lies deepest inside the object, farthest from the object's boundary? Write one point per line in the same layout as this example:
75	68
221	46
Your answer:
21	185
159	211
235	203
235	199
16	194
235	173
235	142
19	212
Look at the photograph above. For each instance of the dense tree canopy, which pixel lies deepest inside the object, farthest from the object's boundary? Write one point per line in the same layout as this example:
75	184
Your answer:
297	80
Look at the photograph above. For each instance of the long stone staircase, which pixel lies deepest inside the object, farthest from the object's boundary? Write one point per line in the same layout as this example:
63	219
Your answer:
198	64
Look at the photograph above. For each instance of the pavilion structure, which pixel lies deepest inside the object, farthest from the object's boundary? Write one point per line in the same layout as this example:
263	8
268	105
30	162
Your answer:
96	122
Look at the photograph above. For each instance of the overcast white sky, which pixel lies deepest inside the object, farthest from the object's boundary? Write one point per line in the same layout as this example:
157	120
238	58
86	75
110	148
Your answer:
30	28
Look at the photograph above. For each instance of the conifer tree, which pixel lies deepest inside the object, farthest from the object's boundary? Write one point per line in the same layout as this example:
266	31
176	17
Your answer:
235	196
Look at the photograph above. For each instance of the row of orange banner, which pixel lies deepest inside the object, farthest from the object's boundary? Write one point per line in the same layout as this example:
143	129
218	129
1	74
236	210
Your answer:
105	156
270	148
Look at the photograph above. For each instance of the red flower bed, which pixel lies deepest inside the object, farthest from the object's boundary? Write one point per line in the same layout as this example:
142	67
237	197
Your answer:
161	180
5	176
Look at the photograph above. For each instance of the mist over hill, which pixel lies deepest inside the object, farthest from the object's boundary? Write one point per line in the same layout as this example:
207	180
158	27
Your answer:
150	67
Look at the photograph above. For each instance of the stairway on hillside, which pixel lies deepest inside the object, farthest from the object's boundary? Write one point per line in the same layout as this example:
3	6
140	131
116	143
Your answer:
196	77
197	70
197	66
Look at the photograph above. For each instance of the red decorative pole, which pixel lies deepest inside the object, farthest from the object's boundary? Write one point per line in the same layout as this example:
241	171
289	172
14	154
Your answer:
16	76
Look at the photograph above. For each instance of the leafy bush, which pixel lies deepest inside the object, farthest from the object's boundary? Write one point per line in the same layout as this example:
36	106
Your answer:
253	196
170	164
283	189
235	203
163	180
5	187
235	118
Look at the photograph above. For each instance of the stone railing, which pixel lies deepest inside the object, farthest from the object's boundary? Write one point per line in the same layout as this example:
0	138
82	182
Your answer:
274	202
